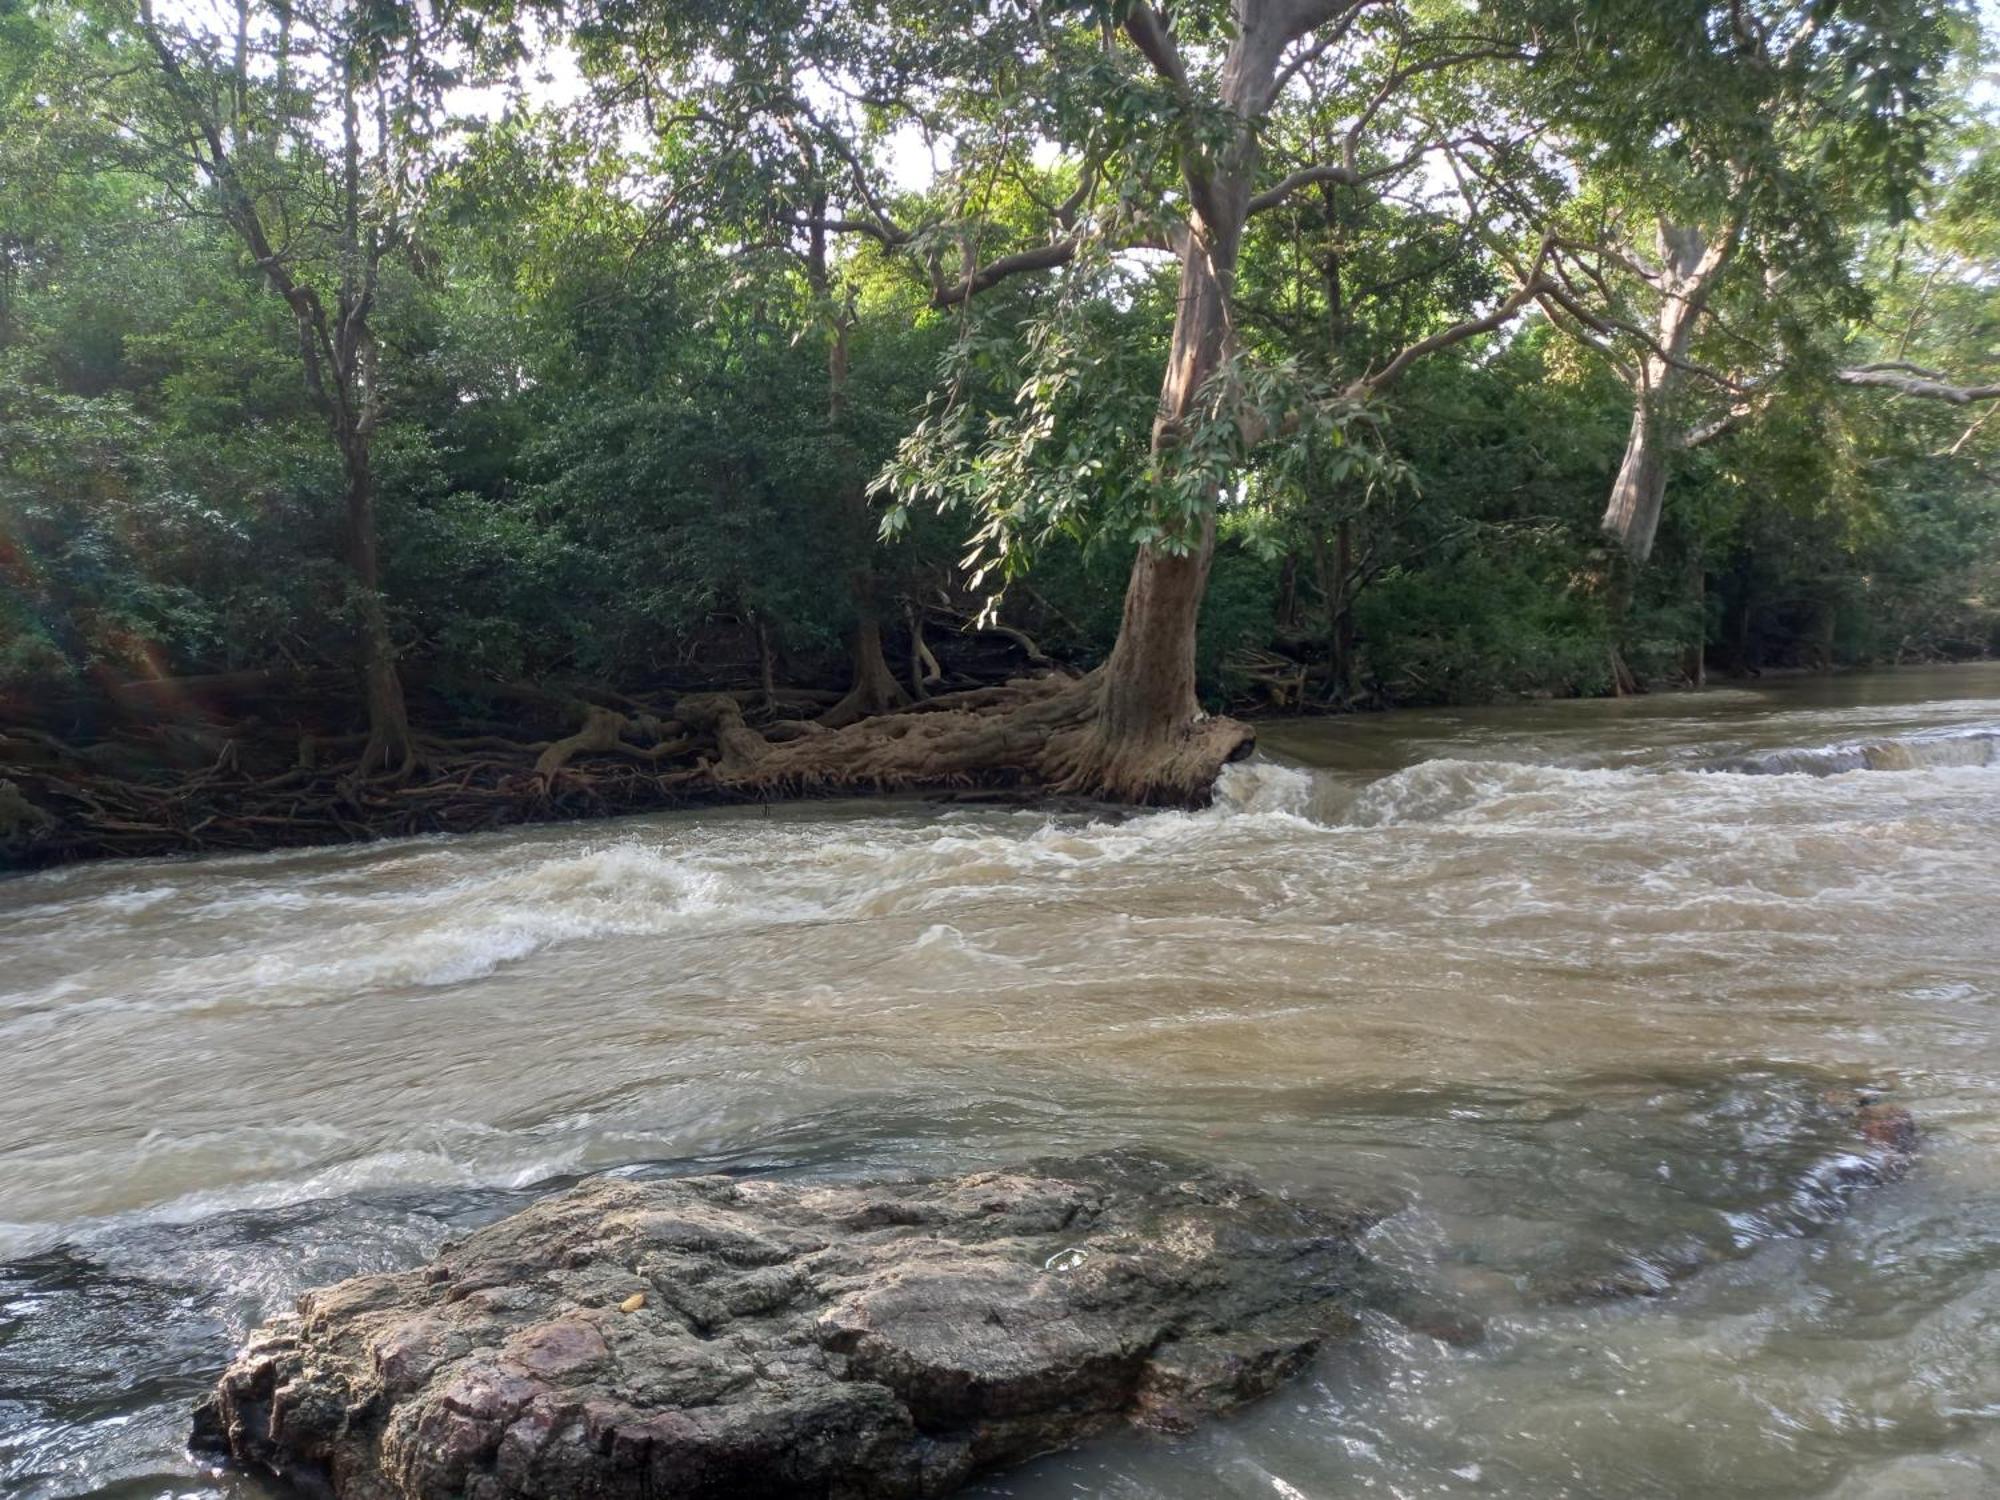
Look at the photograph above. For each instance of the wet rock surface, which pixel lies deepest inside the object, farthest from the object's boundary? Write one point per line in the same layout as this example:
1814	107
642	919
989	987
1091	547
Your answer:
715	1336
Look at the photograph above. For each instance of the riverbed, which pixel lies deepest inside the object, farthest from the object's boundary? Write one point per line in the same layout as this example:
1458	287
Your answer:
1553	988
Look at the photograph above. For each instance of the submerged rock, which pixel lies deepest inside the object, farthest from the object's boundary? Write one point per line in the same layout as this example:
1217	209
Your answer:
1849	1138
711	1337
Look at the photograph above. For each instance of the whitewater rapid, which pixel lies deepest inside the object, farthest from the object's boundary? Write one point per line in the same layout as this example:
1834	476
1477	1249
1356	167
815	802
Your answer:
1550	988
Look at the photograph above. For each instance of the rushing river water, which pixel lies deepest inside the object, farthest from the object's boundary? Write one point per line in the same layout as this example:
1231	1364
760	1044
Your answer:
1557	988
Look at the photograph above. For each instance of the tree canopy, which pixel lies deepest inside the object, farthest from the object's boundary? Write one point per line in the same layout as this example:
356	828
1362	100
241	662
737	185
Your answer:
1234	353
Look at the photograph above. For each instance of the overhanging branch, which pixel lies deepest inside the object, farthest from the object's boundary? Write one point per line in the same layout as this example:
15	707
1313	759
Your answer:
1902	379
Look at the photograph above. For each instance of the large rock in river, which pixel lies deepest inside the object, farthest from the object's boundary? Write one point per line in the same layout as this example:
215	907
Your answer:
710	1336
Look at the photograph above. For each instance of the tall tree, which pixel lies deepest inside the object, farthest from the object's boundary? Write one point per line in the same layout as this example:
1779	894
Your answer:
307	124
1729	153
1165	124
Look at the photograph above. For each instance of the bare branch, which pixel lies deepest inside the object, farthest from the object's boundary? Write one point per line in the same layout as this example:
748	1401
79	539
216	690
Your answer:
1971	432
1510	307
1612	252
1730	421
1904	384
886	229
1321	45
1302	16
1341	173
1040	258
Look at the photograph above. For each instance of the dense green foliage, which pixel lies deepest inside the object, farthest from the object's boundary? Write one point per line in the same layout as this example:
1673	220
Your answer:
606	450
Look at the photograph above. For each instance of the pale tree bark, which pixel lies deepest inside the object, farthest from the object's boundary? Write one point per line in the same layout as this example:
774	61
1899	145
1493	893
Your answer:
1906	379
1686	278
1689	265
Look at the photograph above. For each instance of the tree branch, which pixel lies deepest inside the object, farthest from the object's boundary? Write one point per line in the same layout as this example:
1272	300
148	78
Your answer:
1148	30
1896	378
1341	173
1040	258
1533	287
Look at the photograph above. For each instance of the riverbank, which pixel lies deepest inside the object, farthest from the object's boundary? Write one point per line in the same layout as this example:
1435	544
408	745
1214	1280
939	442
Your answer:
252	763
188	768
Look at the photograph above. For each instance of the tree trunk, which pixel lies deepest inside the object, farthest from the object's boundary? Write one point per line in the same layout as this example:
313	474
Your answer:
1689	265
1340	612
1743	637
1639	492
1288	592
873	687
390	745
1147	693
1149	740
1697	651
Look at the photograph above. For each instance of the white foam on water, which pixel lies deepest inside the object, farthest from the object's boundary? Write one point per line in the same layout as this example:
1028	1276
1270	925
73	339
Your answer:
1435	791
382	1171
1954	746
1258	786
284	932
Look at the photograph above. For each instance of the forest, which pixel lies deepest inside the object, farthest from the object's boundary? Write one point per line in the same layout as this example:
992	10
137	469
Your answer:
434	416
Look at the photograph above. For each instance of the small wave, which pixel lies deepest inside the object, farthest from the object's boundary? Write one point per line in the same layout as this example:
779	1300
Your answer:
384	1171
469	927
1971	745
1257	786
1435	791
1445	790
442	933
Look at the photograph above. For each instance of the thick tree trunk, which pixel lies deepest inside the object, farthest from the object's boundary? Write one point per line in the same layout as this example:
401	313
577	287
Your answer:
874	688
1148	740
1639	492
1689	265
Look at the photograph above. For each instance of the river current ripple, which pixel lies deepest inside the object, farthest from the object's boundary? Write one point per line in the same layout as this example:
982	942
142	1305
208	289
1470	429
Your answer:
1557	989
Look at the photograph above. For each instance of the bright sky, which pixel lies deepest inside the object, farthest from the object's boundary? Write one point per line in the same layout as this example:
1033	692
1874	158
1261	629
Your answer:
556	80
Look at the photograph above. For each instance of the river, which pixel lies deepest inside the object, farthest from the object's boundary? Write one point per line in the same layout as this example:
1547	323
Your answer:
1554	987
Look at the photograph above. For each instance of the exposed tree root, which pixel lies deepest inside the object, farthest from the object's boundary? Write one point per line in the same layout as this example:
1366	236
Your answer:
259	789
1043	732
603	733
875	689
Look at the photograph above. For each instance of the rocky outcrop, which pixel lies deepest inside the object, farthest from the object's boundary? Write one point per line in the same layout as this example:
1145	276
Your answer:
711	1337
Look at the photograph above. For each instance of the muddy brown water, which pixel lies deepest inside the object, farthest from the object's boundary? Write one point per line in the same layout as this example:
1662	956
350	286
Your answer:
1555	987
